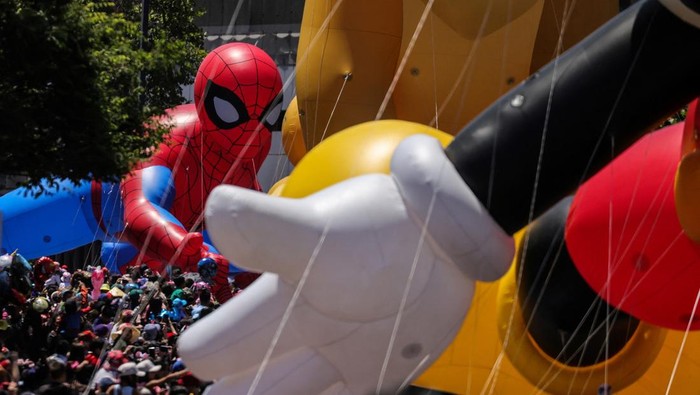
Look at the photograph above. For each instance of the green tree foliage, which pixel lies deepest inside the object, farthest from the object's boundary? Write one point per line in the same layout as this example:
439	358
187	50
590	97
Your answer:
675	118
79	94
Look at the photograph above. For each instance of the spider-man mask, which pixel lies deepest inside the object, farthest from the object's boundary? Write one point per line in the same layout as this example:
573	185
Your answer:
237	94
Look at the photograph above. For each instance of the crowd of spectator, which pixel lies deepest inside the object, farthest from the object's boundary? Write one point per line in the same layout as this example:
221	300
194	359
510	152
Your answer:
93	332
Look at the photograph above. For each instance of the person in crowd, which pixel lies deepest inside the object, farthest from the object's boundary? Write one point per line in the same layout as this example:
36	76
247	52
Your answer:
120	338
57	385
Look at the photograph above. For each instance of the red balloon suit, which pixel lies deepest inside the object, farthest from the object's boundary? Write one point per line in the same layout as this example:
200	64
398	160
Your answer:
222	139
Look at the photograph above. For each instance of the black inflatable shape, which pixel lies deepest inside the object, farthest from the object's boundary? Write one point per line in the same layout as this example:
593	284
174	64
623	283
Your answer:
609	90
566	317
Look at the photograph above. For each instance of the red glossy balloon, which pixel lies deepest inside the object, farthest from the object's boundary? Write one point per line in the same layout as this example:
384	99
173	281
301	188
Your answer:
625	238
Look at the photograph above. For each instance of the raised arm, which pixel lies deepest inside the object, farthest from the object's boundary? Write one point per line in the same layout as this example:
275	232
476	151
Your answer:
148	194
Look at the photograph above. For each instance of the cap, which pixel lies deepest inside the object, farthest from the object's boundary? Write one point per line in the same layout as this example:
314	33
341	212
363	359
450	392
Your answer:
128	369
147	366
86	335
177	366
56	361
106	382
40	304
101	329
150	331
115	358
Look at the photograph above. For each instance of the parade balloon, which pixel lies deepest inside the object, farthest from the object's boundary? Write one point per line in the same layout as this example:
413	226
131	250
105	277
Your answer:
335	343
626	240
292	134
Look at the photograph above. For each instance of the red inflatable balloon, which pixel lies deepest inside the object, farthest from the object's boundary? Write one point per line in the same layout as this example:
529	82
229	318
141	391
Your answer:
625	238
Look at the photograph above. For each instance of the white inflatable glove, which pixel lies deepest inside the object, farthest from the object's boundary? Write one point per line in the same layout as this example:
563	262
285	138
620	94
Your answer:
366	281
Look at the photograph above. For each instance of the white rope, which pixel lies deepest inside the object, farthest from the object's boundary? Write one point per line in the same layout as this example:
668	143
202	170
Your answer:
402	65
288	310
691	319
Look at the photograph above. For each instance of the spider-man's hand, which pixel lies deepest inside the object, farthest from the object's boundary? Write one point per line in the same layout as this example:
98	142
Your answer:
214	270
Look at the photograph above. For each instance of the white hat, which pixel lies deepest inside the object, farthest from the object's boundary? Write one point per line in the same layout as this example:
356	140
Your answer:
127	369
147	366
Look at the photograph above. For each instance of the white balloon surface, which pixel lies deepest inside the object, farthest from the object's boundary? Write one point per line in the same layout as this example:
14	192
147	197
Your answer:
365	283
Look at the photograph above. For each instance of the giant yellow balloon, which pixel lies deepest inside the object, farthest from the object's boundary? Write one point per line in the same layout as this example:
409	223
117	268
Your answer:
476	362
292	135
467	54
345	64
361	149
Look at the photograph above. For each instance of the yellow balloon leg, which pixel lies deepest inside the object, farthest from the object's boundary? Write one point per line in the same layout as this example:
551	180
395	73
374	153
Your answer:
292	134
347	65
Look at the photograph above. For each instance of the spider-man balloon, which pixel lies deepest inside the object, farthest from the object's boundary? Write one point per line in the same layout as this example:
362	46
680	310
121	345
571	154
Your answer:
155	214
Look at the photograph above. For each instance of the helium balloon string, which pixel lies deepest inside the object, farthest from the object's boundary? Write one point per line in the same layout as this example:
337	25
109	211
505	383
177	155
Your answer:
413	372
467	63
568	10
544	381
289	81
526	238
176	167
227	176
346	78
657	262
612	318
631	282
490	383
282	165
616	103
313	129
541	292
607	122
659	194
432	47
237	161
593	330
113	192
685	338
475	311
312	44
557	23
288	310
100	359
531	212
609	268
504	54
96	232
402	64
407	287
234	17
624	248
493	374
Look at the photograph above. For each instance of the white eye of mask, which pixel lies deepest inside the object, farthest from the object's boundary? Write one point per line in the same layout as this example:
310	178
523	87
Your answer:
274	114
225	110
